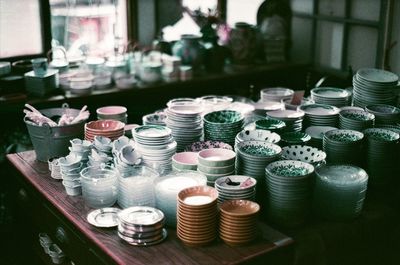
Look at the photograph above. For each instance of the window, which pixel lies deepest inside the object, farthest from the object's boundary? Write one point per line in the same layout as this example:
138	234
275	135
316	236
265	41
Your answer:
343	33
89	27
242	11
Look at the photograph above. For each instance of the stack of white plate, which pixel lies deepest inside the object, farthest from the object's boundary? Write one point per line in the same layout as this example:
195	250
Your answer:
292	118
331	96
339	191
289	191
141	226
356	120
374	86
382	149
384	114
343	146
317	134
320	115
223	125
168	187
185	122
276	94
156	145
257	135
236	187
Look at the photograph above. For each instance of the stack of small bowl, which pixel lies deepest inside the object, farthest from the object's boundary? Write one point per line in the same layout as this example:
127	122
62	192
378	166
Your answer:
291	138
197	215
236	187
272	125
289	191
382	150
343	146
384	114
317	134
157	118
374	86
320	115
185	122
99	186
215	163
292	118
156	145
257	135
117	113
238	222
107	128
357	120
339	191
141	226
304	153
70	166
184	161
168	187
333	96
223	125
136	187
276	94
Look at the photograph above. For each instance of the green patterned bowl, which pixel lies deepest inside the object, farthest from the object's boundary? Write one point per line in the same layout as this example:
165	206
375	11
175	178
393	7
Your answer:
270	124
289	138
260	149
289	168
382	135
344	136
223	116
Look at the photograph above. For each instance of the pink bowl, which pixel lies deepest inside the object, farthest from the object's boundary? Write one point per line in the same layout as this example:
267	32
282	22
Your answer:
104	126
186	158
111	110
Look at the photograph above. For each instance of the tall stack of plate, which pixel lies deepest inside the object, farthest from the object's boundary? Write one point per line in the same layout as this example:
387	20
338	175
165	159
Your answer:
141	226
236	187
292	118
333	96
384	114
320	115
356	120
156	145
251	159
382	149
223	125
185	122
339	191
343	146
276	94
317	134
374	86
289	191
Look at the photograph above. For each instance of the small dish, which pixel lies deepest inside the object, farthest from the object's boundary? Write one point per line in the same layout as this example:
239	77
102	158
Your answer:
104	217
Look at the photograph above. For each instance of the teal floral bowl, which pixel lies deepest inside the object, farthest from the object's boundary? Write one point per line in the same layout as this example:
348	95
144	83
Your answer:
223	116
289	168
344	136
258	149
290	138
382	135
270	124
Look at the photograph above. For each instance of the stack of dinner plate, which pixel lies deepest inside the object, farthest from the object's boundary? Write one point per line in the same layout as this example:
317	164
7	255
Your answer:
141	226
374	86
331	96
185	122
156	145
339	191
320	115
292	118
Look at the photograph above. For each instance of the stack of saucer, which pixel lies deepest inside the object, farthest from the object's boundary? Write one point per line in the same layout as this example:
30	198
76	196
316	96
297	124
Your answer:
320	115
382	150
257	135
289	191
197	215
357	120
333	96
374	86
141	226
215	163
292	118
236	187
185	122
384	114
156	145
223	125
339	191
317	134
343	146
238	221
107	128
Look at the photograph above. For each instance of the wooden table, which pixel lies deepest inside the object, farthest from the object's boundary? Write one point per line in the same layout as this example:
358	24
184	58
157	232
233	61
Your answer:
49	209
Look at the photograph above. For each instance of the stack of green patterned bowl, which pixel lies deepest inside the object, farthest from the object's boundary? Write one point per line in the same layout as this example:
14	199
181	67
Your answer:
384	114
382	150
343	146
291	138
223	126
357	120
273	125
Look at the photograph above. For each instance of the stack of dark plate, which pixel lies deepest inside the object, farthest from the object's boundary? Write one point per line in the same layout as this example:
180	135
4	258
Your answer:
320	115
384	114
331	96
141	226
292	118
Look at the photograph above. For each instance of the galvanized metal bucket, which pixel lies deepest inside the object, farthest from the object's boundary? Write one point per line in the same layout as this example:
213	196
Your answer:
50	142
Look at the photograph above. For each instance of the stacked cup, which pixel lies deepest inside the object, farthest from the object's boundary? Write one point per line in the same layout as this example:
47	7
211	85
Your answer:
238	221
197	215
70	167
80	148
